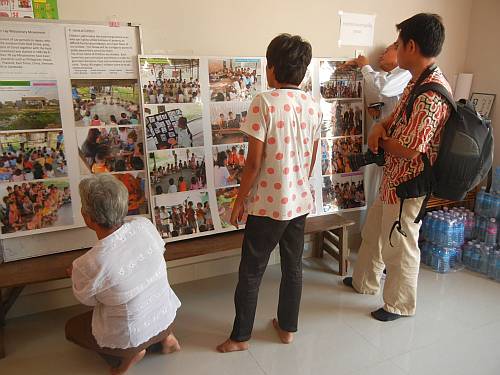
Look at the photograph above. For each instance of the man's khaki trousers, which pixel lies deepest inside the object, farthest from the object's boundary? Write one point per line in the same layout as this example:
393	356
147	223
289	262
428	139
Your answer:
402	260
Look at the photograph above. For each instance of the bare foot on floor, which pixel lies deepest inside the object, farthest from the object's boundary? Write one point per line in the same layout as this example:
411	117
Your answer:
170	344
232	346
127	364
285	337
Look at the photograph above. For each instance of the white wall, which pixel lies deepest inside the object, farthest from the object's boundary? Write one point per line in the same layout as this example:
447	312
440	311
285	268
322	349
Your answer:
235	27
483	56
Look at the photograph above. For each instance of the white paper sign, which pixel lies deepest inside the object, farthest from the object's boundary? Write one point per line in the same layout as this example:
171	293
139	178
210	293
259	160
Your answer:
356	29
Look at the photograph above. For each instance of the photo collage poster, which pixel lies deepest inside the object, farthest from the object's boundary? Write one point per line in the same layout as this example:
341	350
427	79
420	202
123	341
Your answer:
341	100
59	124
196	152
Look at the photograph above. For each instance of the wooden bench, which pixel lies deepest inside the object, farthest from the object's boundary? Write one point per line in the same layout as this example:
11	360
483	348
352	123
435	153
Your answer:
331	236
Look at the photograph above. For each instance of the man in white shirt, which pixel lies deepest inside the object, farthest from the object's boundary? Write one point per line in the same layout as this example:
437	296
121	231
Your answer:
384	87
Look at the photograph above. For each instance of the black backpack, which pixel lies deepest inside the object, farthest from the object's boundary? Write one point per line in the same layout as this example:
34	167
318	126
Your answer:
464	158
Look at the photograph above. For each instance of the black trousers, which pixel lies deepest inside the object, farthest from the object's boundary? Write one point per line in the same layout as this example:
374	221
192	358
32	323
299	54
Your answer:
262	234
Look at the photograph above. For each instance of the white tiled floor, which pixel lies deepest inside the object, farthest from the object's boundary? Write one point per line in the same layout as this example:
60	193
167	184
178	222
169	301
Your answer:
456	331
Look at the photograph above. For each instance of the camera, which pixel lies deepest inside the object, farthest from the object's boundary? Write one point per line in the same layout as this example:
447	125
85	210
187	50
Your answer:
360	160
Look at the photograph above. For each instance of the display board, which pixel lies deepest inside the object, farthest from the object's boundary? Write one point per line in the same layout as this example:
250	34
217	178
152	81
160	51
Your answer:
69	106
193	110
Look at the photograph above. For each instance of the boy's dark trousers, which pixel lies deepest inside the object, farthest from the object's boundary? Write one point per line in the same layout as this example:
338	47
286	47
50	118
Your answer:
262	234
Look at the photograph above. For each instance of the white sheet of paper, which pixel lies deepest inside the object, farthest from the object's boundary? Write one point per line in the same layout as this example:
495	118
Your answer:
356	29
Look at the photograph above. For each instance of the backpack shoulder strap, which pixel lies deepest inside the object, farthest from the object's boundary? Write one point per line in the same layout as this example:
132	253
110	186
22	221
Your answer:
431	86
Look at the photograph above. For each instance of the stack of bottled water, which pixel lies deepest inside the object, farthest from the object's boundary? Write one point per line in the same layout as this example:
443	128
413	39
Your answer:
482	253
442	235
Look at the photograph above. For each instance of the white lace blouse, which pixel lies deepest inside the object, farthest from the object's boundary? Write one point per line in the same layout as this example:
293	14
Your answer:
124	276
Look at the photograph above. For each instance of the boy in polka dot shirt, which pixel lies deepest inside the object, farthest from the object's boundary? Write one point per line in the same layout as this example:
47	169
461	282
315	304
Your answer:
283	128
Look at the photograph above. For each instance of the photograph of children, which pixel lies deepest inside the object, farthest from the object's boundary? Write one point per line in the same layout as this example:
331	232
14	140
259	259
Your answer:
341	118
105	102
229	161
173	171
35	205
116	149
166	80
28	105
225	202
343	192
183	214
174	126
338	80
335	152
135	182
226	120
32	156
306	84
234	79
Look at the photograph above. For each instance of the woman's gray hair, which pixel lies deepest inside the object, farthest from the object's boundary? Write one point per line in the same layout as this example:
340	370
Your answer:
104	199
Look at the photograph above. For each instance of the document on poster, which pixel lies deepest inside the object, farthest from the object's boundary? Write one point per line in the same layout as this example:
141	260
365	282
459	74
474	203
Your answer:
356	29
102	52
26	51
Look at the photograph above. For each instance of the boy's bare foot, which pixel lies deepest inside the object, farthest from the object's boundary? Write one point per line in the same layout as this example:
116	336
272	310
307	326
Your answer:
127	363
232	346
170	344
285	337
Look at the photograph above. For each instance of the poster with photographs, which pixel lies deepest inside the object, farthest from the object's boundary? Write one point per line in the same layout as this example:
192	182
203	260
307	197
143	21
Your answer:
343	192
165	80
233	79
183	215
342	105
335	152
105	102
174	126
29	206
225	202
229	161
226	120
172	171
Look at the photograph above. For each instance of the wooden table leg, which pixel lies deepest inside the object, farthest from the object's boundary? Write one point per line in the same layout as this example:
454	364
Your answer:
2	323
344	251
6	302
318	245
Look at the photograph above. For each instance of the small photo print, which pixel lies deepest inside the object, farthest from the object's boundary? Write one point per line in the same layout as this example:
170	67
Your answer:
343	192
335	152
173	171
135	182
115	149
225	203
229	161
183	214
306	84
226	120
341	118
338	80
30	206
167	80
103	102
174	126
32	156
234	79
29	105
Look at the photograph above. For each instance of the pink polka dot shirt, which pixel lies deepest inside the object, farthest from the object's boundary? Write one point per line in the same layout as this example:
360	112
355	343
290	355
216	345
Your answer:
288	122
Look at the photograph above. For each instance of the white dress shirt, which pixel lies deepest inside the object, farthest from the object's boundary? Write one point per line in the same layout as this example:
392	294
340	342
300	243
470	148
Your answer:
124	276
385	87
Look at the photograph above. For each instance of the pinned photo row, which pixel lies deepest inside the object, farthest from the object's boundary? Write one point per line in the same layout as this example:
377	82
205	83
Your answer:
343	192
170	80
173	171
105	102
104	150
32	156
183	214
234	79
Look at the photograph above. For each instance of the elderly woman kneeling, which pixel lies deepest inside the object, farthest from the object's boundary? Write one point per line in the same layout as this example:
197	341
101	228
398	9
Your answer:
124	278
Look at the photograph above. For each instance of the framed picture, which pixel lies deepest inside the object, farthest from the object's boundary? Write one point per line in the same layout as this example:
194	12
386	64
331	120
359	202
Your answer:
483	103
